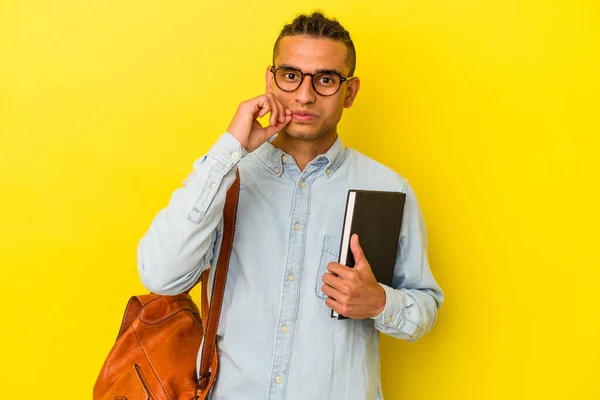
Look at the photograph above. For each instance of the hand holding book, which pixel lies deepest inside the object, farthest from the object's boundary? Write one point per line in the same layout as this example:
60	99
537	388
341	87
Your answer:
376	216
353	292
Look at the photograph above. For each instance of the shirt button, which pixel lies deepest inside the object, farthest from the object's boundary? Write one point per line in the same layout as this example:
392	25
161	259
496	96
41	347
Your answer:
291	277
284	328
277	170
235	155
213	185
297	226
278	379
302	184
285	158
328	171
388	320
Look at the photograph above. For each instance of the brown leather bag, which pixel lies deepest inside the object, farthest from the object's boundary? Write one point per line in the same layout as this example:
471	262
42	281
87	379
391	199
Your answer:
155	354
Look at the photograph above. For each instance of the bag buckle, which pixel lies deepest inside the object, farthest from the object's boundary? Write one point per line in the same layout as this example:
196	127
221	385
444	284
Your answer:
202	383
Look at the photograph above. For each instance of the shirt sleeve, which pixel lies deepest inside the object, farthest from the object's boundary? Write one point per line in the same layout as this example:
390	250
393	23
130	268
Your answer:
179	244
412	303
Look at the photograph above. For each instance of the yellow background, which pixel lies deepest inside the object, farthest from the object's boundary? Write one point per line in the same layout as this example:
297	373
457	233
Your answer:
488	107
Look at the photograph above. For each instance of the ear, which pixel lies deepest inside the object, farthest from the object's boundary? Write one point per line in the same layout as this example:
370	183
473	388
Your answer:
268	80
352	91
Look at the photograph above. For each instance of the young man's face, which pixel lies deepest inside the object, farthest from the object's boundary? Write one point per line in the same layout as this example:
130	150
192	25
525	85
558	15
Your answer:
314	115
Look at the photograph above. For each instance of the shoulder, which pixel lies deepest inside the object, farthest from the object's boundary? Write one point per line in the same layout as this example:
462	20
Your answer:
375	172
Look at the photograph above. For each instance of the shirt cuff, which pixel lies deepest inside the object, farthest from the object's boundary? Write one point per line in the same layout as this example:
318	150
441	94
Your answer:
228	151
392	312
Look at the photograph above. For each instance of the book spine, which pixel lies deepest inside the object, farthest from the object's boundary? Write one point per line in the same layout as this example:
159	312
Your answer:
345	244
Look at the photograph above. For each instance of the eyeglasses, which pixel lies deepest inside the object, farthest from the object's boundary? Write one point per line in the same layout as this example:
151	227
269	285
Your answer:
325	83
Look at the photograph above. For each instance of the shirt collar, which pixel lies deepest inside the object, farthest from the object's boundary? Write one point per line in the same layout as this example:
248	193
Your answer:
272	157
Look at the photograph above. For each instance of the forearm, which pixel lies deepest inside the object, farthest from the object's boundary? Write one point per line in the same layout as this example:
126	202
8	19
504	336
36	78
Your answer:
179	244
413	301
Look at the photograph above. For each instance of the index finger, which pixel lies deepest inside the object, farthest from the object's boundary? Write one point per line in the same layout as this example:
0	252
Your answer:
338	269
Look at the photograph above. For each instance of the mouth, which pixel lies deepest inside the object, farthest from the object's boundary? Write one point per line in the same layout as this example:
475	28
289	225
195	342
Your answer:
303	116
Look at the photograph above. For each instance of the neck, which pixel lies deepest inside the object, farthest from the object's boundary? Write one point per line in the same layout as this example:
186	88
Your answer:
304	150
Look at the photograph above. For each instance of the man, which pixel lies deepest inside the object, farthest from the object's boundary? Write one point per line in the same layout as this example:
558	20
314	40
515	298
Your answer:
276	338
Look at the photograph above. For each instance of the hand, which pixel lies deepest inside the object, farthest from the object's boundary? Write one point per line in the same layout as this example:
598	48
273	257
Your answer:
354	292
248	130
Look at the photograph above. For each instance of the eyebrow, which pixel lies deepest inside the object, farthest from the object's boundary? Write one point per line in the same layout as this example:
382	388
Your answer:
317	71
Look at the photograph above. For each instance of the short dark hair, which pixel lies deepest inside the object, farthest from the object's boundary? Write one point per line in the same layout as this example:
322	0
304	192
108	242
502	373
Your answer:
319	26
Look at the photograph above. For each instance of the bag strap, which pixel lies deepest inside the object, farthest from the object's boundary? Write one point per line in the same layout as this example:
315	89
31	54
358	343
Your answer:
211	315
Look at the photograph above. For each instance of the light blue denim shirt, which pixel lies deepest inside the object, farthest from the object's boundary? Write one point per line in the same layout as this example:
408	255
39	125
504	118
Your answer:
276	338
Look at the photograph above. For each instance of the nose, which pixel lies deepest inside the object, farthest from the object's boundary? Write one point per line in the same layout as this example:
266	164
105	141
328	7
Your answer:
305	94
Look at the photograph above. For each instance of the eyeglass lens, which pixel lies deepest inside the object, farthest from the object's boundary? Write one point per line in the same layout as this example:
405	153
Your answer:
290	79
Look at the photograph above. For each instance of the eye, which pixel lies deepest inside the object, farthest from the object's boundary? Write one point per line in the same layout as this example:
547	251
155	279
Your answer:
327	80
288	75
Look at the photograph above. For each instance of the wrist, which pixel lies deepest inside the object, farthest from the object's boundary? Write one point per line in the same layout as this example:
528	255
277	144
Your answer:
236	137
381	301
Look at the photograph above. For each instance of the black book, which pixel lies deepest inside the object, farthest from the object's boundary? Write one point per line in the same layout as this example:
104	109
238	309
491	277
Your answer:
376	216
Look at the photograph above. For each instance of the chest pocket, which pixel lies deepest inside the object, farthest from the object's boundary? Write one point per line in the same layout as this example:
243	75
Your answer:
330	252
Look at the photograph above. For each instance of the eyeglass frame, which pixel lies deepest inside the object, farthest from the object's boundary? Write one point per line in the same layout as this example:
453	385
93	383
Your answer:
273	70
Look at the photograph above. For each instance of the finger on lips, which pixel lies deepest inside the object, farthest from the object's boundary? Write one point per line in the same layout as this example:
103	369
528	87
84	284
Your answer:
280	116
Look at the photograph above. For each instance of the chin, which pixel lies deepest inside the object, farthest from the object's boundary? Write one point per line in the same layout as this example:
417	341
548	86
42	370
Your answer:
303	132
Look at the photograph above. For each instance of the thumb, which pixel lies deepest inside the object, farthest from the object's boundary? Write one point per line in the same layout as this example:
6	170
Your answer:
359	256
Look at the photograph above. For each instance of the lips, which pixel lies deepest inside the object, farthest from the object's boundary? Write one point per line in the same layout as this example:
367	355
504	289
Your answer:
303	116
